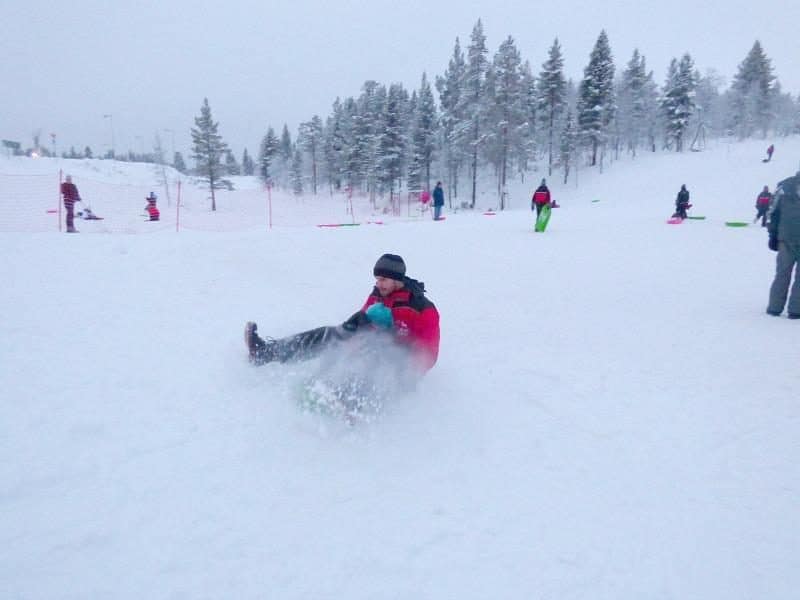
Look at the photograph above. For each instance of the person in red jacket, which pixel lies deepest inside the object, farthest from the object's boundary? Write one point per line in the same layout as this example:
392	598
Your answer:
541	197
762	206
69	191
396	314
151	208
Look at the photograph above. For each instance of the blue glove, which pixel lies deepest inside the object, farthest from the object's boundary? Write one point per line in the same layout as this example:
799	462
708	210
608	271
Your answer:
379	315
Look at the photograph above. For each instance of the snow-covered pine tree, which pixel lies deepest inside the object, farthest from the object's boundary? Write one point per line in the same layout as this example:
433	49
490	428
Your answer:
551	98
208	150
309	140
568	144
678	100
179	163
353	147
652	111
267	155
529	131
708	117
296	171
368	131
231	166
334	146
507	115
631	103
787	112
248	166
596	97
472	102
449	88
284	156
392	138
423	137
752	93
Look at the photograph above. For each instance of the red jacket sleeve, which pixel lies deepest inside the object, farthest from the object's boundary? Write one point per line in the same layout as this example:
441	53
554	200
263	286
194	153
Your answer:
420	330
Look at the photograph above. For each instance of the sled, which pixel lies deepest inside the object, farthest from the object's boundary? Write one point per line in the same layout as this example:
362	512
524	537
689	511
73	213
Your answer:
352	400
736	224
354	382
674	221
543	219
696	218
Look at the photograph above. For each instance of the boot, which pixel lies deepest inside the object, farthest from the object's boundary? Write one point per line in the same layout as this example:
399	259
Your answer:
260	351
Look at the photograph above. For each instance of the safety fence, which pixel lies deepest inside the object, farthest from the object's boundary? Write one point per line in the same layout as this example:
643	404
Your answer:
31	202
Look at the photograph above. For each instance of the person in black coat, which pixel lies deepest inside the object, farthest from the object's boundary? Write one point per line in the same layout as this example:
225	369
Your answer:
438	201
682	203
783	226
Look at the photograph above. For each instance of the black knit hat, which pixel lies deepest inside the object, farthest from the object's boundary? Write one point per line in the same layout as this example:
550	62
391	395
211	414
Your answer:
391	266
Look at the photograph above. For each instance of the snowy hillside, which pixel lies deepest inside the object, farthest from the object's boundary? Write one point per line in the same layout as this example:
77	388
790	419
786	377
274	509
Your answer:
612	414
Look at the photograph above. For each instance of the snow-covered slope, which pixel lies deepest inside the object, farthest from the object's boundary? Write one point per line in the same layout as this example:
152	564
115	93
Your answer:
612	415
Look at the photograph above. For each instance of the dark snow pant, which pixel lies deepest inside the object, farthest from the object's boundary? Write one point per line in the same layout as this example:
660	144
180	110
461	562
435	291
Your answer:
70	207
538	209
761	214
787	259
309	344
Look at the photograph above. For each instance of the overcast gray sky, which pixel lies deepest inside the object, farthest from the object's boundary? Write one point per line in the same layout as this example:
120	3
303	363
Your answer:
63	66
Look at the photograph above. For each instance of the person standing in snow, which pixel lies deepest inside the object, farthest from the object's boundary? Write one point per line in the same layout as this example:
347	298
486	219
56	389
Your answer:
151	208
396	309
682	203
770	150
784	238
438	201
69	191
762	206
541	197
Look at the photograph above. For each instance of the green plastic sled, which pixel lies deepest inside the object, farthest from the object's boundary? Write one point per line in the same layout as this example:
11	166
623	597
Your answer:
543	219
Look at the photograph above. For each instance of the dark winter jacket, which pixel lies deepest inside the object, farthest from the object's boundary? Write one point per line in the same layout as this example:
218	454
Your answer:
416	320
784	215
438	196
70	193
763	200
683	198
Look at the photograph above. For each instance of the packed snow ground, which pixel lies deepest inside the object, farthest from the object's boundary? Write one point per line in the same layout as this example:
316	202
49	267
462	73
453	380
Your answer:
612	414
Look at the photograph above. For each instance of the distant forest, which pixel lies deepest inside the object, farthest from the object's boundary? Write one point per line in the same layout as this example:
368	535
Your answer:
496	116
